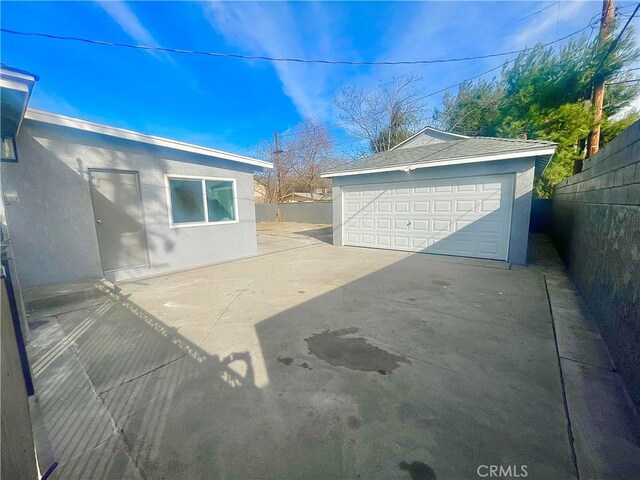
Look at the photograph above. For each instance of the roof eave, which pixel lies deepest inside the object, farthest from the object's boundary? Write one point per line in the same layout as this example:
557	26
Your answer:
84	125
454	161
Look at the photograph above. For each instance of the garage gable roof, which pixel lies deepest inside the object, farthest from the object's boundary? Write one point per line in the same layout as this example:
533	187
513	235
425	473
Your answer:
78	124
466	150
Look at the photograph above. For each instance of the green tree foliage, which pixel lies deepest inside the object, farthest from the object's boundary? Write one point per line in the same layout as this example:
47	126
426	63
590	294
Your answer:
545	94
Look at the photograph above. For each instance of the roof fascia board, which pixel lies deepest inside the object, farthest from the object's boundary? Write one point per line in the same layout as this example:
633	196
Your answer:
454	161
14	84
78	124
19	82
5	72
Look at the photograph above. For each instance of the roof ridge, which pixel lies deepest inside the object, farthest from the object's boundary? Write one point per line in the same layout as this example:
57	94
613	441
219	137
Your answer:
512	140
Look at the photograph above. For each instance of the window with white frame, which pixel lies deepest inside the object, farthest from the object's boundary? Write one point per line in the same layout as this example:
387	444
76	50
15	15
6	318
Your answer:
201	201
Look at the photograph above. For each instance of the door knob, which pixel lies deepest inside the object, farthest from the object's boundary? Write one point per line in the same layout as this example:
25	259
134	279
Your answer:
98	221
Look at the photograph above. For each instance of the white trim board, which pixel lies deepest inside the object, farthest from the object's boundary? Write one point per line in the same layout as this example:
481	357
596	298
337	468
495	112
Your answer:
454	161
84	125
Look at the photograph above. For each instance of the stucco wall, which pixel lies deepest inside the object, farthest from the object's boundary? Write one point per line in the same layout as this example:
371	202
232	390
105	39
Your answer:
52	223
522	168
596	228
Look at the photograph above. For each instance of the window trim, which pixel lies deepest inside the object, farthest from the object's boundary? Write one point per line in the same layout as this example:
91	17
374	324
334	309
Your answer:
15	149
168	177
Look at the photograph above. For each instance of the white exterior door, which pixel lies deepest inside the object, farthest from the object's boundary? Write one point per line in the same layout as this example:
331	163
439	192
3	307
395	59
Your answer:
466	216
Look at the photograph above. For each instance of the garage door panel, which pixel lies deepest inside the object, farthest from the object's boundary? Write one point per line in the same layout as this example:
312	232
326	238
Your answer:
401	206
421	206
384	223
368	223
460	216
464	206
384	207
400	241
421	225
384	240
401	224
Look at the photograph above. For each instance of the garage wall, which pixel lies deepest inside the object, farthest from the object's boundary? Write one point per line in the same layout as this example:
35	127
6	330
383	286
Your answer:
52	223
522	168
596	228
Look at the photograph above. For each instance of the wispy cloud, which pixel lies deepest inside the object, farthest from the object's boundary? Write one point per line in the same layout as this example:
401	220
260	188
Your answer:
274	30
545	24
132	26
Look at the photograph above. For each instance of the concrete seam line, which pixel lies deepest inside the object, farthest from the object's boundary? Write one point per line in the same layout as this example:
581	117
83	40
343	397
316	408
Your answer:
574	458
117	430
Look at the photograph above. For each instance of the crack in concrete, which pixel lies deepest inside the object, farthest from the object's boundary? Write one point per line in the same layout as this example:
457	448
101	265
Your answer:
154	369
608	369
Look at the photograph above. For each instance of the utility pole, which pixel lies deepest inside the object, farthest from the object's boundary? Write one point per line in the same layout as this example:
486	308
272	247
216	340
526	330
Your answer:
278	166
597	98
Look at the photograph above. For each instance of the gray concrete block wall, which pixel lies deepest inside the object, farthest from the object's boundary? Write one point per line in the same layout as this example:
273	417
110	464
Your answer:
596	228
300	212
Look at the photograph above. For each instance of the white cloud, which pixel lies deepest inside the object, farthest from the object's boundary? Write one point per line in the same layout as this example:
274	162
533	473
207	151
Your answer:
131	25
273	30
544	24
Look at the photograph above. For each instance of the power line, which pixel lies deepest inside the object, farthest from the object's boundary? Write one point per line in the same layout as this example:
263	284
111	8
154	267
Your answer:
452	51
614	44
260	57
590	25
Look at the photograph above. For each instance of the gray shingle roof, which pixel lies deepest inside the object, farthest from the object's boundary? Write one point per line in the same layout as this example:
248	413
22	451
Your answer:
438	152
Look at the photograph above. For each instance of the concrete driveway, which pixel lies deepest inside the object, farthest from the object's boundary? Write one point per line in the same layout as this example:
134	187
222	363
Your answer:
313	361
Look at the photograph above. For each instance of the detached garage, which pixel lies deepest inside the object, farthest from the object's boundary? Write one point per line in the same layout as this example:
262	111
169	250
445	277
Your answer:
441	193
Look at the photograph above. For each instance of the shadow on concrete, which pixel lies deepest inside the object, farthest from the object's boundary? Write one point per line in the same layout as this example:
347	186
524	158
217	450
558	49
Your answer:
474	376
323	234
109	376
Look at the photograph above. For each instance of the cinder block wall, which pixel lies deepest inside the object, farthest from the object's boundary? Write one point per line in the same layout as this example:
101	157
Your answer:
596	228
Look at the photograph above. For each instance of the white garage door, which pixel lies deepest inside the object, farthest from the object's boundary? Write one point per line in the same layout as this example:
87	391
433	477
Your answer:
468	216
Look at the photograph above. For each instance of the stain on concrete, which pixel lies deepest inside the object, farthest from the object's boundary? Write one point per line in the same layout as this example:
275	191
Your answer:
301	292
419	470
285	360
411	299
352	353
441	283
305	365
353	422
416	415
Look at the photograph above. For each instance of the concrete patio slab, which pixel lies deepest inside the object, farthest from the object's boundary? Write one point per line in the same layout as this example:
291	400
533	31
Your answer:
428	365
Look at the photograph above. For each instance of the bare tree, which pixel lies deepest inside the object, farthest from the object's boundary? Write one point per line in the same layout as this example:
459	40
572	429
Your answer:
312	149
278	182
385	115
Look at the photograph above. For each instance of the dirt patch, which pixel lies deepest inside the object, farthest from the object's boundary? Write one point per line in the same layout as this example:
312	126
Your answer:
285	360
352	353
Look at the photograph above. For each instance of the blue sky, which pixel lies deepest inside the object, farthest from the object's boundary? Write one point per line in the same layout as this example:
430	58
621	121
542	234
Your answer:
232	104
